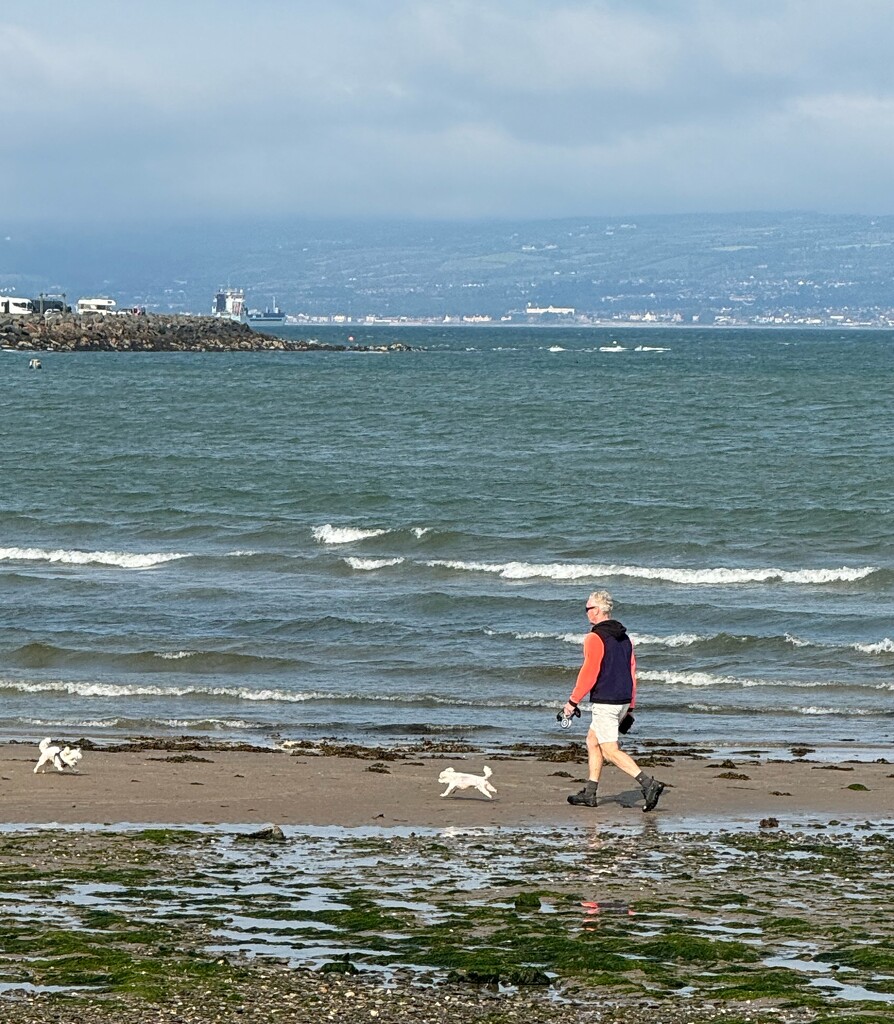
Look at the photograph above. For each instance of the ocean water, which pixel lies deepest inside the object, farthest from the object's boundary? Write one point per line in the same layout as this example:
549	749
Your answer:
383	547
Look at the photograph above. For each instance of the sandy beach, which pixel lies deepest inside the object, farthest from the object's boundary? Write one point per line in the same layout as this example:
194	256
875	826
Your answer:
389	788
758	891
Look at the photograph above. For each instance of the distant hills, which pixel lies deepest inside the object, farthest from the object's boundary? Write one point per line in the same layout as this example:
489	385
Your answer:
742	266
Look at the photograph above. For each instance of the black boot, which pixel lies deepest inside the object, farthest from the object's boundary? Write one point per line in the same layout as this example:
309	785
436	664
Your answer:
586	797
651	792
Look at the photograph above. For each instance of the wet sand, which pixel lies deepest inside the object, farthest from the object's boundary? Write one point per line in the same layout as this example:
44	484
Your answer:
306	787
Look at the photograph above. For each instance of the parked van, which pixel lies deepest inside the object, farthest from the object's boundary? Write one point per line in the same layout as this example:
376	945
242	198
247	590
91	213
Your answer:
97	305
14	306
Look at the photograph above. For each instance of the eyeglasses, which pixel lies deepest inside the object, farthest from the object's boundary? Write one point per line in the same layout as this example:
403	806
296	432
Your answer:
591	607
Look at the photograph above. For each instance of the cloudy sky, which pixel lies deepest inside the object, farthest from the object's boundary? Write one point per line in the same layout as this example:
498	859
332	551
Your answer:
189	109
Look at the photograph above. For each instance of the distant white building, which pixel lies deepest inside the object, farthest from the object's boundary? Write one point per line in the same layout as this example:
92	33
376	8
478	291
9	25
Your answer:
549	310
14	306
100	304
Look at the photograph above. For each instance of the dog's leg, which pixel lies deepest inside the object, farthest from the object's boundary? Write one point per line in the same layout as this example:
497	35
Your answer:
57	761
42	760
483	789
489	787
450	788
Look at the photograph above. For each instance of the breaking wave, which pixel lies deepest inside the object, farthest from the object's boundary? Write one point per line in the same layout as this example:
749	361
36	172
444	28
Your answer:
329	534
707	679
107	690
84	689
368	564
120	559
639	639
885	646
561	571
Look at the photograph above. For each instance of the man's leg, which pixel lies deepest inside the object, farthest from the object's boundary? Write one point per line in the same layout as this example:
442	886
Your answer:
595	760
587	796
612	752
652	788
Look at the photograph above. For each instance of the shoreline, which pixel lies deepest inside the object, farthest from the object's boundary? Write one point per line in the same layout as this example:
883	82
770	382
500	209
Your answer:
348	785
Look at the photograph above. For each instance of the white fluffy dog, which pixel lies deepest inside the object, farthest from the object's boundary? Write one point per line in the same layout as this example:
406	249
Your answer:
454	780
61	757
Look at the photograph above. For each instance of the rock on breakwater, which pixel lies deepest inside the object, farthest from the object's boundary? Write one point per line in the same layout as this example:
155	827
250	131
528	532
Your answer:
150	333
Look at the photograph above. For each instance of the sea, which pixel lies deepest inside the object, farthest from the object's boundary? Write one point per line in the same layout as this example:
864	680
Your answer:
387	548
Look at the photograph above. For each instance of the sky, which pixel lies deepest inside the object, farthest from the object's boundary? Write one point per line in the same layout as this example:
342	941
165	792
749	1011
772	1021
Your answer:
191	110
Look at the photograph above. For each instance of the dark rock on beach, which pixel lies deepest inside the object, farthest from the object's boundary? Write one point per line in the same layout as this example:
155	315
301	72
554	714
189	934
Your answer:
95	332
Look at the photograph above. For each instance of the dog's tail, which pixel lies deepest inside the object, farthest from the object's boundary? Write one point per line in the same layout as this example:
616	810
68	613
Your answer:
42	746
487	772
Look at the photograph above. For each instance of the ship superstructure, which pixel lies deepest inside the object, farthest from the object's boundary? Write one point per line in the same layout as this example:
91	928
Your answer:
229	304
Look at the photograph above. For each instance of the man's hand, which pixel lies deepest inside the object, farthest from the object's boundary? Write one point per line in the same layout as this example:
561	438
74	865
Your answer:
569	710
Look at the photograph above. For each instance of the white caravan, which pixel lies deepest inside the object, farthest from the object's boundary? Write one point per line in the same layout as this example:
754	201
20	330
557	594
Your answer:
14	306
97	305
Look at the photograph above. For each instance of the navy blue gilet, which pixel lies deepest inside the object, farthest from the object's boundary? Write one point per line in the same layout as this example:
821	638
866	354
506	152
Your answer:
614	683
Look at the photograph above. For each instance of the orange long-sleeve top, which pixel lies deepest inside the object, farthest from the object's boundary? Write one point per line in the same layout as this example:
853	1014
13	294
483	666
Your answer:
594	649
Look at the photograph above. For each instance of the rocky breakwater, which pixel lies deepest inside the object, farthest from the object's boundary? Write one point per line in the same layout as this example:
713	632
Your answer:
95	332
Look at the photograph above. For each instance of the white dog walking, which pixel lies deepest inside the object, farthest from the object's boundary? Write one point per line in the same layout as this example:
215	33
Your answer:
454	780
61	757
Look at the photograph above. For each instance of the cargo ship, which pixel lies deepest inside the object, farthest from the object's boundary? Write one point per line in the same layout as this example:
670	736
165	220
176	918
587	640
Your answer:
271	316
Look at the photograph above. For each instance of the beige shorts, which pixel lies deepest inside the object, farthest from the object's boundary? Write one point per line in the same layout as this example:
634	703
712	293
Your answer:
605	721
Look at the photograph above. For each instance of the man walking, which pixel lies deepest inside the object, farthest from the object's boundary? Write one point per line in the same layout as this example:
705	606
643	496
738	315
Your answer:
608	675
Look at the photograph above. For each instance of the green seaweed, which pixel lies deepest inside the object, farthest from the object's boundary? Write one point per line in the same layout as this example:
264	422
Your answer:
877	957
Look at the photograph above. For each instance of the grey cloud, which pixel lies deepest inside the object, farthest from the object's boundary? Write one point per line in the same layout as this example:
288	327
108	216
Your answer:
454	108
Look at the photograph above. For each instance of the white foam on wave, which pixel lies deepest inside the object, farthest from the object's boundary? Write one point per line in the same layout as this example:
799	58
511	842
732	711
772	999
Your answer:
650	348
103	690
811	710
112	723
73	723
612	348
106	690
368	564
214	723
120	559
565	638
556	348
329	534
421	531
707	679
644	639
562	571
175	655
885	646
674	640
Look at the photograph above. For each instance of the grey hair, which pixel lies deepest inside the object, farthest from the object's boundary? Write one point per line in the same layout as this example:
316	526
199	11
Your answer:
603	600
